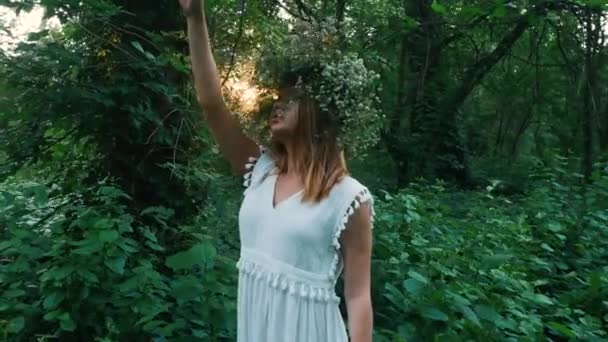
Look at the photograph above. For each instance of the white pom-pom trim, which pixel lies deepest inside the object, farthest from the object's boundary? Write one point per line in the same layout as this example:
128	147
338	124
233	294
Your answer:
362	197
250	165
283	282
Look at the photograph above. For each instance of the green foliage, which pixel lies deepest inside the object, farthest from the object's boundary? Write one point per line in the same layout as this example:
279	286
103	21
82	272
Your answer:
79	271
447	265
480	266
118	218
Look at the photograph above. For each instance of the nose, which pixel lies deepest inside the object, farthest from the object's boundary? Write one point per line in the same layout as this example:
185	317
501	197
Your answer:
277	105
275	112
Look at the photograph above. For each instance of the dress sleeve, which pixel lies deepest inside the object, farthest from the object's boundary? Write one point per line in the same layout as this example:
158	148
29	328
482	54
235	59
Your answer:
356	196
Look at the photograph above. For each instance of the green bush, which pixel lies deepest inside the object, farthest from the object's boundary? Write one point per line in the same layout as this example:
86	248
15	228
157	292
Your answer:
462	266
447	265
77	271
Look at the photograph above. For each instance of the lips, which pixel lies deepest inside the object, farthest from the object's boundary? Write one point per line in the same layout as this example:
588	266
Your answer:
276	117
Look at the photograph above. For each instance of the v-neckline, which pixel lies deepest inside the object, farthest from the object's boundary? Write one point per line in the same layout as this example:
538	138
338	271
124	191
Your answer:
274	205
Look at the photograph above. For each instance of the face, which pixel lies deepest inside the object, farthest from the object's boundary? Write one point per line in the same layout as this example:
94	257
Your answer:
284	115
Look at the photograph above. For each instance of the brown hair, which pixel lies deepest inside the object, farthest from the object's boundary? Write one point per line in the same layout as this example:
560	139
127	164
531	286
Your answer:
320	158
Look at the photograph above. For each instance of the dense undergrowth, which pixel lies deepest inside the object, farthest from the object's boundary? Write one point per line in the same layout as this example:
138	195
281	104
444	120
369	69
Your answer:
448	265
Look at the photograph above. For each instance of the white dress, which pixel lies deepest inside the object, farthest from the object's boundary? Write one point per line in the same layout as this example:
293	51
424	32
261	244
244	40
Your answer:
290	260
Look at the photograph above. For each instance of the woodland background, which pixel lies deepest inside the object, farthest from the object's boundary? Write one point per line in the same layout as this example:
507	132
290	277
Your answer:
118	216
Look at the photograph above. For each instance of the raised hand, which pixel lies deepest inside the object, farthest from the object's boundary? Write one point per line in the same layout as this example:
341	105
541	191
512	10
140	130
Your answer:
192	7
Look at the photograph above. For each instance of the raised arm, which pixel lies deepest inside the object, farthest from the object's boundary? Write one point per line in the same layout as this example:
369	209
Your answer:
233	144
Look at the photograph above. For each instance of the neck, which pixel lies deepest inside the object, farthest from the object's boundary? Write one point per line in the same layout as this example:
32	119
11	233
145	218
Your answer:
292	157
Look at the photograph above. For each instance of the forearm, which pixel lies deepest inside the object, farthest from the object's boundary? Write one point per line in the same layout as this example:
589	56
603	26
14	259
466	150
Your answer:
206	79
360	318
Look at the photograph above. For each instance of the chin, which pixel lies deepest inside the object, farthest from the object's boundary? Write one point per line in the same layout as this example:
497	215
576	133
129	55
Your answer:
277	129
280	135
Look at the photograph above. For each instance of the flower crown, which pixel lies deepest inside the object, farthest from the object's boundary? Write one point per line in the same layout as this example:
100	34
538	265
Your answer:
345	89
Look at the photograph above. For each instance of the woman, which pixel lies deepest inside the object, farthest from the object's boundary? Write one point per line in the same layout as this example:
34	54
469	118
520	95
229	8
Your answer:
303	220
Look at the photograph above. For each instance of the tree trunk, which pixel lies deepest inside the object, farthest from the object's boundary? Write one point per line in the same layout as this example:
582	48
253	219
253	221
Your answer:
415	119
603	134
589	91
396	138
602	114
499	132
340	8
433	110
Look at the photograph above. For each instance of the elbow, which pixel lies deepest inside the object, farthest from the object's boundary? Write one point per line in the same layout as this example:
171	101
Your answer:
209	98
360	299
238	170
210	104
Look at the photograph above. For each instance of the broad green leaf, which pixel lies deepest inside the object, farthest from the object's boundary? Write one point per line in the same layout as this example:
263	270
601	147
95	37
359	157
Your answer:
186	288
51	315
419	242
499	11
138	46
51	301
125	226
5	244
469	314
199	333
201	253
600	4
408	23
61	272
16	324
562	329
108	235
113	193
393	294
88	275
149	55
555	227
128	245
89	249
161	214
487	313
116	264
13	293
152	325
66	323
459	300
104	223
433	313
154	246
439	8
129	284
5	306
542	299
495	260
413	286
152	311
547	247
148	234
41	197
418	277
